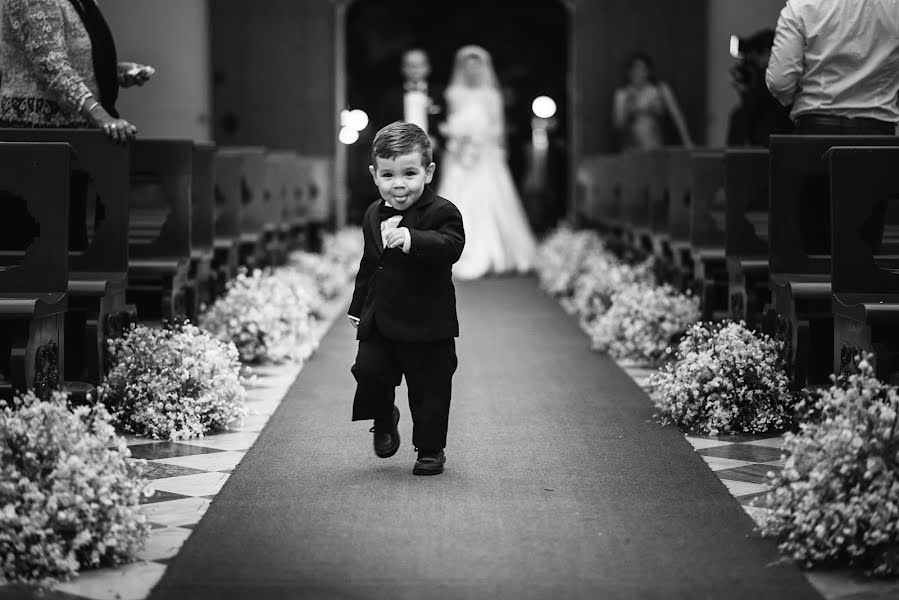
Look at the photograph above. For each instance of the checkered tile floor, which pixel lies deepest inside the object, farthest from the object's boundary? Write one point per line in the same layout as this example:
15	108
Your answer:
742	463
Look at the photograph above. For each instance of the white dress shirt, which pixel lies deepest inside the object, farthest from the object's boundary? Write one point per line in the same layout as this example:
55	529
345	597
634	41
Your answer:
415	105
837	57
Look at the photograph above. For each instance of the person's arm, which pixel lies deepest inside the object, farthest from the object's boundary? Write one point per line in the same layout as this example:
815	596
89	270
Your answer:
786	64
367	266
443	244
39	25
676	115
620	110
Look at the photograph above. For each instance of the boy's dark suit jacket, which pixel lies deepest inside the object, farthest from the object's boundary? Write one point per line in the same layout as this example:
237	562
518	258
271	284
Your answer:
411	296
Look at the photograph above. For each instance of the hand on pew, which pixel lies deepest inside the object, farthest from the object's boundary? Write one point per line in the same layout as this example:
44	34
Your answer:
119	130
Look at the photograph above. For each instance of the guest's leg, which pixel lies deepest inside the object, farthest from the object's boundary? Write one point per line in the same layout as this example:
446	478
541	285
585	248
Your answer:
429	368
377	372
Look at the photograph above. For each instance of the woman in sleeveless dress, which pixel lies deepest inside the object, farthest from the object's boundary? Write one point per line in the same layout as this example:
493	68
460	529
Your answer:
476	177
640	106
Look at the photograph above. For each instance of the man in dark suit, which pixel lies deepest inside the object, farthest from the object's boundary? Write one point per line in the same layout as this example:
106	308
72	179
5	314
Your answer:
417	101
404	302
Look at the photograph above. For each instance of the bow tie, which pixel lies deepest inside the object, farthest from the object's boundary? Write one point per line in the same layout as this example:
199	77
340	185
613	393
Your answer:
385	211
416	86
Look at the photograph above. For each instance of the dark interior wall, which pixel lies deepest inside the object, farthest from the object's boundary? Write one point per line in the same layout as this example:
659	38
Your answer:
274	67
673	32
273	74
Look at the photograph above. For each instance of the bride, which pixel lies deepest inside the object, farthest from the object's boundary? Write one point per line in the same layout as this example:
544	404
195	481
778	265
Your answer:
476	177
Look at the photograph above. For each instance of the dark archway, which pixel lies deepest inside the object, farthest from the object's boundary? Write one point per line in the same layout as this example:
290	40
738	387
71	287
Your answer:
530	44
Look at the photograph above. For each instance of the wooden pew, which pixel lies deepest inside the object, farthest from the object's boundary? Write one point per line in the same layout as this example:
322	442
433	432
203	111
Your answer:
298	201
799	255
635	200
34	200
320	197
159	236
680	204
706	221
99	186
201	275
746	240
227	225
277	221
249	163
864	191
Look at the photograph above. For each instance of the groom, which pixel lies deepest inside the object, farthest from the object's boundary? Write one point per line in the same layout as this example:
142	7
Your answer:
416	101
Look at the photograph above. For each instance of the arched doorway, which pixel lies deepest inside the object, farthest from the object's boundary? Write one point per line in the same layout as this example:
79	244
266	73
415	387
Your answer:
531	44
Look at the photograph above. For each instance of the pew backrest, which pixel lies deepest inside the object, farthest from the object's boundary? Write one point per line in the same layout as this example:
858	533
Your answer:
746	192
34	204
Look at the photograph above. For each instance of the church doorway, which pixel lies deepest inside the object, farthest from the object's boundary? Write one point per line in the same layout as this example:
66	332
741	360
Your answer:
530	42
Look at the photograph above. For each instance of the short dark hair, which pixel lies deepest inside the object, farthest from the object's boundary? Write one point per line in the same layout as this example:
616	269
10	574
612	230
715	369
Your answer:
400	138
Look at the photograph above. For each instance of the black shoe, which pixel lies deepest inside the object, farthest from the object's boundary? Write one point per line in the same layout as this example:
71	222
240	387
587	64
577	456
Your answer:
387	436
430	462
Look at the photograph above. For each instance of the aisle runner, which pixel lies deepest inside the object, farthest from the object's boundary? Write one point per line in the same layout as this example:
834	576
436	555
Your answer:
559	484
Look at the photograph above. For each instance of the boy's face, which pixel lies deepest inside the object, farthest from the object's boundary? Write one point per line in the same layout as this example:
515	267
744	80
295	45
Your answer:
401	179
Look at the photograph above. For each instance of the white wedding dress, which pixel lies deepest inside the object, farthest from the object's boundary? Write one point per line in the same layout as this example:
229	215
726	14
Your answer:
476	178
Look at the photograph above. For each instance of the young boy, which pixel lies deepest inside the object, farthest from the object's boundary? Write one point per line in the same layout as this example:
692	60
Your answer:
404	304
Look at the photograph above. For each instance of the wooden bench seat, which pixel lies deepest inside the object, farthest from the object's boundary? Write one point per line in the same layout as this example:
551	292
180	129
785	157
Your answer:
706	225
159	233
34	228
249	164
746	233
800	250
864	188
98	246
201	275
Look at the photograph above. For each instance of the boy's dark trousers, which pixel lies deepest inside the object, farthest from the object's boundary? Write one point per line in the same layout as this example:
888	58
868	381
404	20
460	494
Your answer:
428	368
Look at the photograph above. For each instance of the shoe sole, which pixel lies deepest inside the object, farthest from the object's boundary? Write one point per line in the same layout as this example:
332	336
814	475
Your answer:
428	470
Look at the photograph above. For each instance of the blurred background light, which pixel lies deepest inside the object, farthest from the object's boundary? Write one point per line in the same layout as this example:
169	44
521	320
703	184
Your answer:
544	107
348	135
356	119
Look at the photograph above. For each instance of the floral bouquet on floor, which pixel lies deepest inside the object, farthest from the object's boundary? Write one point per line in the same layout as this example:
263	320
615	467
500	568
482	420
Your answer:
724	378
267	315
642	322
602	276
336	266
836	501
173	383
67	498
561	256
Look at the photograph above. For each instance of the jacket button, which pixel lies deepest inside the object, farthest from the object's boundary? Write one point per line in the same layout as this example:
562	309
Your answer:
380	267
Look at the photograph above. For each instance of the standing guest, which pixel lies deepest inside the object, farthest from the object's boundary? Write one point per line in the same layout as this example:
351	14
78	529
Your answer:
417	101
759	114
404	302
837	63
641	104
60	67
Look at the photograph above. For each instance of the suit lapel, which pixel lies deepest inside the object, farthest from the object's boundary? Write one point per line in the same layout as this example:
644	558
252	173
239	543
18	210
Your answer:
413	215
375	224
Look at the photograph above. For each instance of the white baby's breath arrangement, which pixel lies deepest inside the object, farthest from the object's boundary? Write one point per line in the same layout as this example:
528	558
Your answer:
267	315
177	382
560	257
642	322
67	498
836	501
335	266
724	378
602	276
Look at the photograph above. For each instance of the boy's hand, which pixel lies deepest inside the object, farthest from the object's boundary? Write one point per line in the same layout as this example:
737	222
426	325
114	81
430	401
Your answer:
396	238
354	320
